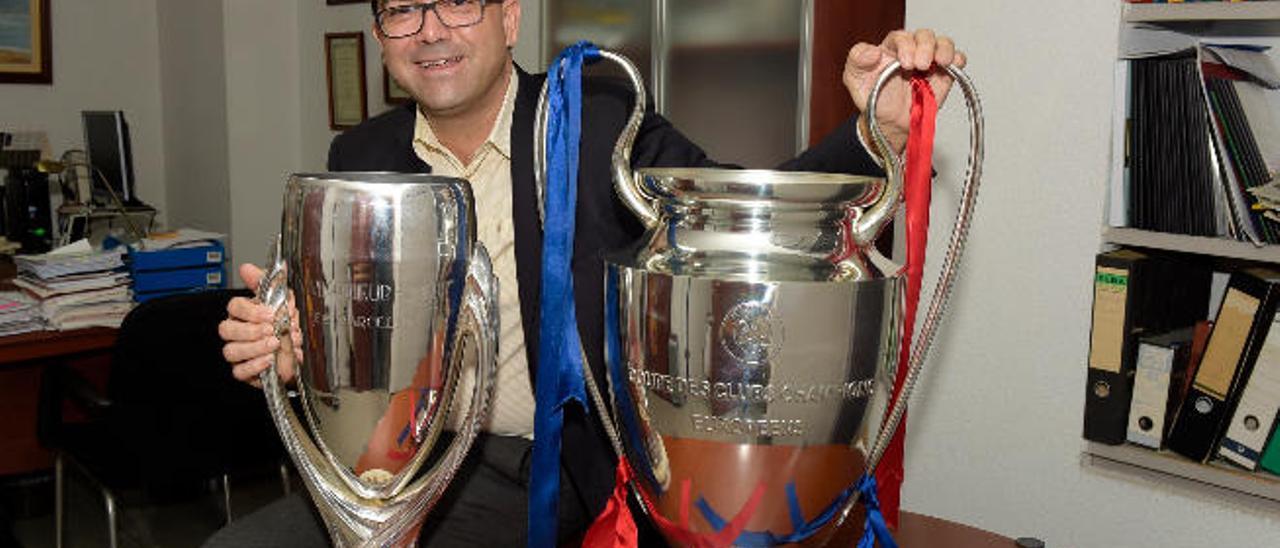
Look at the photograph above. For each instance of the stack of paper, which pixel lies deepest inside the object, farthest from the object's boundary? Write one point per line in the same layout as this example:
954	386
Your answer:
77	286
18	314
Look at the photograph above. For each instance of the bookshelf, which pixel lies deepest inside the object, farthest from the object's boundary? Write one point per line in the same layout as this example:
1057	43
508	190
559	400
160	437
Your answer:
1249	21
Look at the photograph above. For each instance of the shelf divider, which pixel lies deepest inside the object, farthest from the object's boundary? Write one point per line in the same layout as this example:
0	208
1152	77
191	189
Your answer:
1217	247
1258	484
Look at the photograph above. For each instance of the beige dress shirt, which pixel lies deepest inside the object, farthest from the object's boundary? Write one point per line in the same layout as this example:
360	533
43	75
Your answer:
489	172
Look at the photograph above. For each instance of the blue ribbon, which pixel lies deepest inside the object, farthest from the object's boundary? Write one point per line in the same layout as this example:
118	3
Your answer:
559	379
800	530
875	529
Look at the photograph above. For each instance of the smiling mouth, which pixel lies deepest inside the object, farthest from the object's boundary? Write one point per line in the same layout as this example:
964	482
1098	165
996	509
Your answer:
439	63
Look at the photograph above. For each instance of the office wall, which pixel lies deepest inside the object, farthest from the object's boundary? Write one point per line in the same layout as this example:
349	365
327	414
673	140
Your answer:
995	429
263	129
104	58
193	80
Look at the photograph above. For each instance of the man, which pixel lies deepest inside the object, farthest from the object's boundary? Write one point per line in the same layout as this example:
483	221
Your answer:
473	118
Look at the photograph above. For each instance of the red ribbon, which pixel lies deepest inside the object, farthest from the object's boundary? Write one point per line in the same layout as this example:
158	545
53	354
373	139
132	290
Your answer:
917	187
615	526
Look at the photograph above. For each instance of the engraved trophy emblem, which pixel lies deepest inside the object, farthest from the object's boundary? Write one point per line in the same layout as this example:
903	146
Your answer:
752	339
397	306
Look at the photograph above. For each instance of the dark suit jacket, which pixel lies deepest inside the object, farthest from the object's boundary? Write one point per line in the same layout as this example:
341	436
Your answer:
384	143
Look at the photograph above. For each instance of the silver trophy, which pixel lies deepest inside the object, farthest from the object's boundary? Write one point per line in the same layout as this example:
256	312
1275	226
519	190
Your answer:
752	339
397	306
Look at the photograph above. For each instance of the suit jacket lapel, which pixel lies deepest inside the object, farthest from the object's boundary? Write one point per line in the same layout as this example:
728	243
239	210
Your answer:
524	211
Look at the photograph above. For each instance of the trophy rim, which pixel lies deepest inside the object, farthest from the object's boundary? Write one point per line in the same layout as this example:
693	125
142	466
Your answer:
389	178
702	184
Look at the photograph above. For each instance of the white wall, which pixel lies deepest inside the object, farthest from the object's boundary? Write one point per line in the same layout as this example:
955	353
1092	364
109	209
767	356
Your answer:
193	80
994	437
104	58
262	48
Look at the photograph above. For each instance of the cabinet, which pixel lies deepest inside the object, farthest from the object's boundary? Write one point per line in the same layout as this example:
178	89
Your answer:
1257	21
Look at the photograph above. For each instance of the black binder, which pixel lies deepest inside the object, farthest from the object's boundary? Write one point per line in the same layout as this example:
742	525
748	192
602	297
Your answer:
1134	293
1245	317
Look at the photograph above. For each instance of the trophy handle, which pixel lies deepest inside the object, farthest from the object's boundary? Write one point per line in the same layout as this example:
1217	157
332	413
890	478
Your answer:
946	277
625	182
477	325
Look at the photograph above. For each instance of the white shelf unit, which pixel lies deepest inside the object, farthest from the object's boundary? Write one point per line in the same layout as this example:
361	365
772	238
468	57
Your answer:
1256	20
1225	476
1203	11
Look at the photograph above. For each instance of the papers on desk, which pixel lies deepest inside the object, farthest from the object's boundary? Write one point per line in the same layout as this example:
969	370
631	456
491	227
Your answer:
77	258
76	286
18	314
182	237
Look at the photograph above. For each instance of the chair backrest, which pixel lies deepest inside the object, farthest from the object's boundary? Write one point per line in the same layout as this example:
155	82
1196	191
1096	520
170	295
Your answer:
173	395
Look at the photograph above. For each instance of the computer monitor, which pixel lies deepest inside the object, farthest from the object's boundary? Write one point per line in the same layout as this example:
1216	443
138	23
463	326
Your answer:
106	140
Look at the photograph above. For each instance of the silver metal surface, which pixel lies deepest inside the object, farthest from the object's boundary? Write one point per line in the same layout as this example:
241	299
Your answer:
396	301
660	52
752	339
804	98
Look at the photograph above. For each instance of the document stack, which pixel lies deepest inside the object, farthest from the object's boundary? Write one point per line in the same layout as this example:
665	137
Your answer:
182	261
77	286
19	313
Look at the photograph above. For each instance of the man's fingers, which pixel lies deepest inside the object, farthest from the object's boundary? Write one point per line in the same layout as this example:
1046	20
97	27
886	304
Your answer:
961	59
945	52
246	310
925	44
237	331
251	275
250	370
863	57
237	352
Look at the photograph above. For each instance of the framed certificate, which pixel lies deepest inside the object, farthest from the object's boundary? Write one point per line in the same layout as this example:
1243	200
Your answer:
344	70
25	42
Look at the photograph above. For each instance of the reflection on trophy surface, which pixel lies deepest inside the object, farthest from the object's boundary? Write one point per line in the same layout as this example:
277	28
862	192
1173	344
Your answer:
752	340
397	306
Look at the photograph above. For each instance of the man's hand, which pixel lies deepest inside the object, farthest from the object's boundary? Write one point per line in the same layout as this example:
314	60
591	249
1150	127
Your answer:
250	337
921	50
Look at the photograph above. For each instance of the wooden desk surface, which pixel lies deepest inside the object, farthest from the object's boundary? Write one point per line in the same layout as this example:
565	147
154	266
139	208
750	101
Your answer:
921	531
39	345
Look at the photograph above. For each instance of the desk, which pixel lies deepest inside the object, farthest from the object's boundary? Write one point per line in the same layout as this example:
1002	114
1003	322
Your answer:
22	357
921	531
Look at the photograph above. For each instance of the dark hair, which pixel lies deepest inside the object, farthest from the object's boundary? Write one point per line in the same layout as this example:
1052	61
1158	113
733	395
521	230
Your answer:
374	4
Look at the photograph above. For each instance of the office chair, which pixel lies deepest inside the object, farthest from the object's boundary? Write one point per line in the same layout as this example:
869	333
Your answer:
172	413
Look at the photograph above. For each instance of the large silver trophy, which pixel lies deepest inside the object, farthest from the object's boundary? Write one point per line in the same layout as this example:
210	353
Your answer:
397	306
752	339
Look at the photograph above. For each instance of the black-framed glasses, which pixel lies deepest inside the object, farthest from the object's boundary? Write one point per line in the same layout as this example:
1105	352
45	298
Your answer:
404	20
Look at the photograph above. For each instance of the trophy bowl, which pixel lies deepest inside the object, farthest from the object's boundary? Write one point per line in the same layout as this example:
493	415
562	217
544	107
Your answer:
397	306
752	338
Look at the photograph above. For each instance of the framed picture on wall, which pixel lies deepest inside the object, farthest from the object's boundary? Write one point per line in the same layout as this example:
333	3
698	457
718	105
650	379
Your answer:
392	93
344	71
26	55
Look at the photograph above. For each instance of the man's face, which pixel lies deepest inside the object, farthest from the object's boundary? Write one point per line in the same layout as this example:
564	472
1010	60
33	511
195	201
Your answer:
451	70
